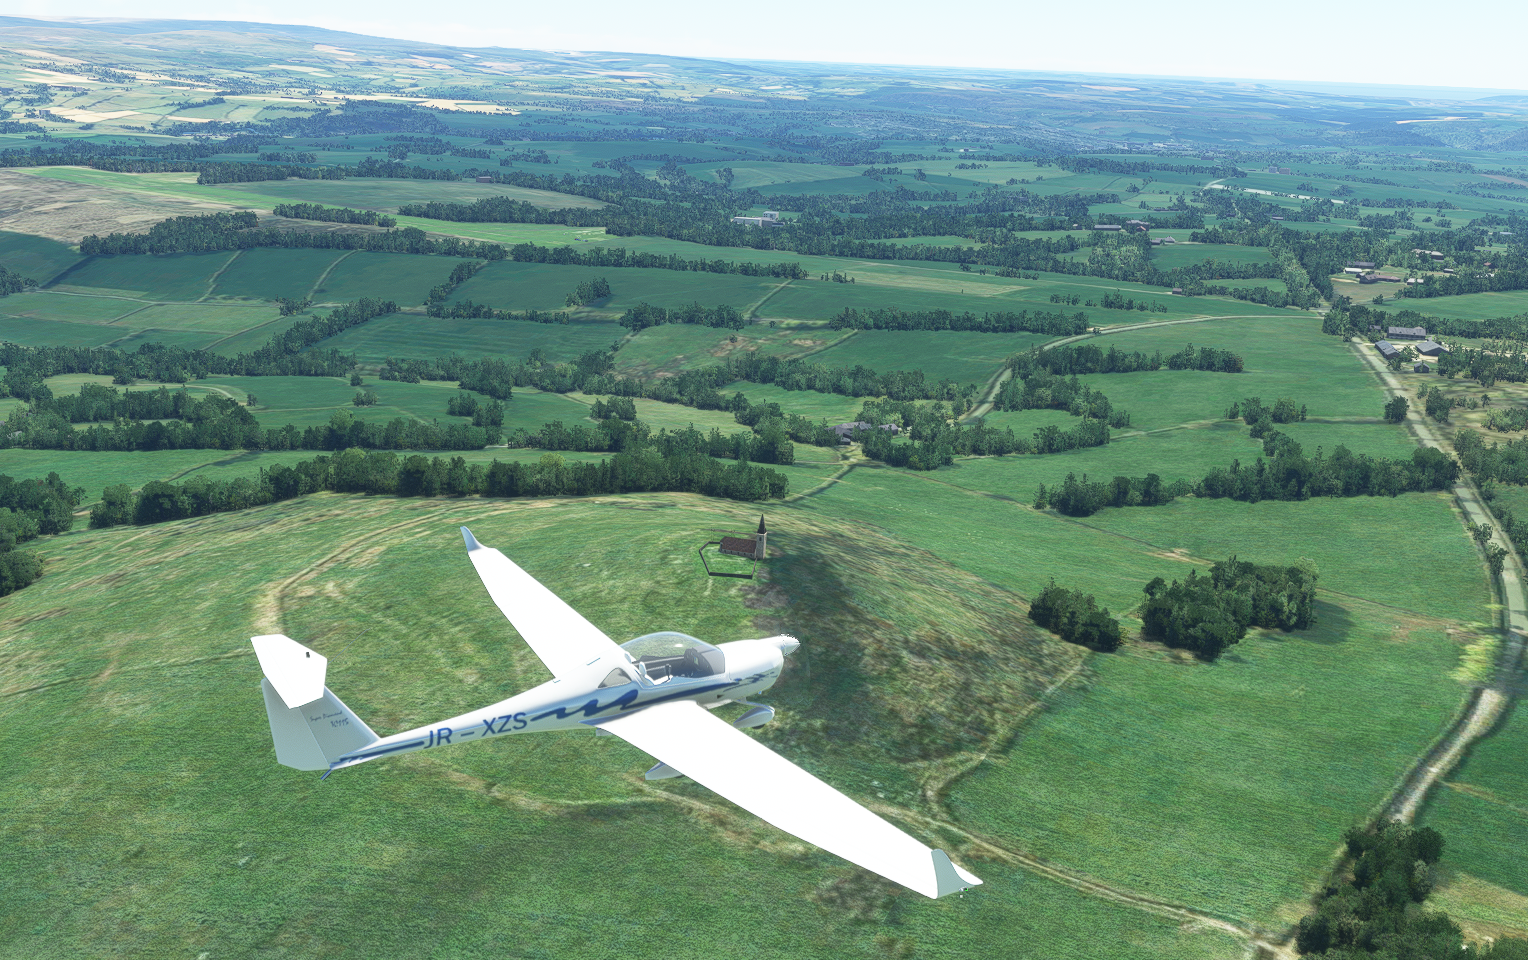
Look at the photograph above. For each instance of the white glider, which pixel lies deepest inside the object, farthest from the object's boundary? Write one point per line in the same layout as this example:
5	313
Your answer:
655	692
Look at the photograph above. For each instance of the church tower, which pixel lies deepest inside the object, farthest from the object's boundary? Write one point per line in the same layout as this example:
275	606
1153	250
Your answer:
758	540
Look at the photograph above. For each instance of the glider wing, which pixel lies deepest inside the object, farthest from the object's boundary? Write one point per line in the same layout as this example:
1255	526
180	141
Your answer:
707	749
560	636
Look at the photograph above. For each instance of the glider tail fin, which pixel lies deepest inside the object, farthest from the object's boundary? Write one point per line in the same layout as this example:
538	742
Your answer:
311	727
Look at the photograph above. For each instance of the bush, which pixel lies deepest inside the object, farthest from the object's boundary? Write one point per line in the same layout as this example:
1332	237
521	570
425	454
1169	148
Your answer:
1396	409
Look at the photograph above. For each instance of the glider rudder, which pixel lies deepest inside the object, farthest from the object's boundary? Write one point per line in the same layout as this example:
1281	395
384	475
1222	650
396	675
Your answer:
310	726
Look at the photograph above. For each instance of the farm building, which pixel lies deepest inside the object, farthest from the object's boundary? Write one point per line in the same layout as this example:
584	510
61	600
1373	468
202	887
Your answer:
485	179
770	218
1361	265
1406	333
1107	226
845	430
1387	349
1429	348
1421	367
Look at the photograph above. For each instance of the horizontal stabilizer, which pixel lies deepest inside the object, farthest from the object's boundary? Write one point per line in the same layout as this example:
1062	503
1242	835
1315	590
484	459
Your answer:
296	673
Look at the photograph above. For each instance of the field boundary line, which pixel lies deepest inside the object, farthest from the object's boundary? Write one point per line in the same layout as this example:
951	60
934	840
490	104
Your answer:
753	310
319	283
212	281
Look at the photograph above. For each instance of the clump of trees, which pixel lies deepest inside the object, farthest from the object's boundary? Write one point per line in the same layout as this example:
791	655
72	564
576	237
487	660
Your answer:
621	408
30	509
1396	409
488	414
587	292
1075	617
13	282
1376	911
1208	614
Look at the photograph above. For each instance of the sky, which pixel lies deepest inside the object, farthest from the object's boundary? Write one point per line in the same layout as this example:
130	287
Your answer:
1402	42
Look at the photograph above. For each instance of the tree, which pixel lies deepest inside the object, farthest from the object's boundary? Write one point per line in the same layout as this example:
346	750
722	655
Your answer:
1396	409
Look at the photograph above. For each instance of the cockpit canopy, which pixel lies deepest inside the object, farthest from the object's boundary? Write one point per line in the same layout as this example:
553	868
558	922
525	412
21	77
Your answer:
669	654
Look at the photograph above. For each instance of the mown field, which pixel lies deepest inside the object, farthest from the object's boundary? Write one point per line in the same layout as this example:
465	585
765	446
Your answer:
190	837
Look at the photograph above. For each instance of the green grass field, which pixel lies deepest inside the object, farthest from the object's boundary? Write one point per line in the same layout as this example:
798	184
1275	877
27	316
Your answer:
507	285
960	356
388	195
176	276
415	335
678	346
1130	825
1469	306
270	274
403	278
537	859
1482	811
38	258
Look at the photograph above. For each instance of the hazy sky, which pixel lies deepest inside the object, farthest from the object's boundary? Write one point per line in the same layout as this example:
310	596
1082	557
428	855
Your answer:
1405	41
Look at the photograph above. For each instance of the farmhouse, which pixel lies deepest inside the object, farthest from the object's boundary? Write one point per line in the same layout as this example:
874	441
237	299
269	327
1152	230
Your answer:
844	430
771	218
1387	349
1406	333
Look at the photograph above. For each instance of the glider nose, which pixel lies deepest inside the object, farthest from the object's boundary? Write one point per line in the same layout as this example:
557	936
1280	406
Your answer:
787	644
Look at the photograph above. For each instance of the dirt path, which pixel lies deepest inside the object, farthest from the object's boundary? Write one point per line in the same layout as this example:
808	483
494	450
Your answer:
1488	703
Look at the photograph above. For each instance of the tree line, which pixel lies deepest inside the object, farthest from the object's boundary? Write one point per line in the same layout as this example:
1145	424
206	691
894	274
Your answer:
317	211
645	315
1088	358
207	233
216	422
893	318
638	469
1287	475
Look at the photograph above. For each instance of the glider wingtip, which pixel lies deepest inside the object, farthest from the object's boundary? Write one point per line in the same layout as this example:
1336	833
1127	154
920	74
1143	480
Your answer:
470	540
950	878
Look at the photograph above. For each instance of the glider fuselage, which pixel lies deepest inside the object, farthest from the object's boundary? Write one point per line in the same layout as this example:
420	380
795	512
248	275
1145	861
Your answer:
752	666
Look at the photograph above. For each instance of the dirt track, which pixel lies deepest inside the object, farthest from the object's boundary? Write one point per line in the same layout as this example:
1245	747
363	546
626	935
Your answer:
1488	703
